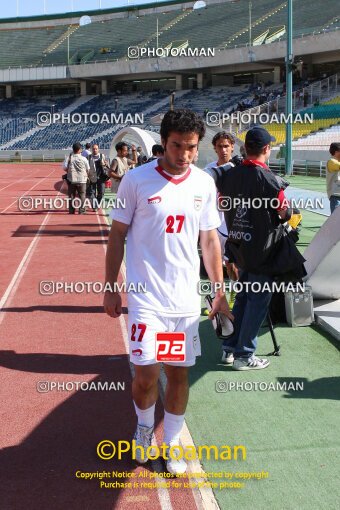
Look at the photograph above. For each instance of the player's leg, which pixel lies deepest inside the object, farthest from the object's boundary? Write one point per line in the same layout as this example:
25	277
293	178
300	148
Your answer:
142	329
177	391
176	399
145	389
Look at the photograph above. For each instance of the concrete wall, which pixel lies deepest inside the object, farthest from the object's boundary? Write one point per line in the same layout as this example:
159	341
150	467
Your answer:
33	73
322	155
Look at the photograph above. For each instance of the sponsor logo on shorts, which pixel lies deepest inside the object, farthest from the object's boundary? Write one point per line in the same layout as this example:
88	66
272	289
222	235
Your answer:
154	200
170	347
137	352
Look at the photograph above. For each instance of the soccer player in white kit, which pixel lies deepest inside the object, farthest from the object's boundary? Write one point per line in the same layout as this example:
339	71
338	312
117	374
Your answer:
223	144
169	203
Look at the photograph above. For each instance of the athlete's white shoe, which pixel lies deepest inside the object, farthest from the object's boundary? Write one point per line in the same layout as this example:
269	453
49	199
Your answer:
173	465
143	437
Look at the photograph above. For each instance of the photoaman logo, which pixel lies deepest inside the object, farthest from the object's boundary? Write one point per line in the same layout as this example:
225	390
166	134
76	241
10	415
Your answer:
106	450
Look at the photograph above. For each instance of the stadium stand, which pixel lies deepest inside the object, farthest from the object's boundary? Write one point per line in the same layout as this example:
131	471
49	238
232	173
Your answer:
62	135
319	140
109	39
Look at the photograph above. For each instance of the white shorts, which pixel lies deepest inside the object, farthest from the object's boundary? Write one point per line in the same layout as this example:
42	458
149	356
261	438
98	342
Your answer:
142	329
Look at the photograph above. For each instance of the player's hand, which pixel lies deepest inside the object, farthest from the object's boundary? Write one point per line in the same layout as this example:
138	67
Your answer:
112	304
220	305
232	271
133	147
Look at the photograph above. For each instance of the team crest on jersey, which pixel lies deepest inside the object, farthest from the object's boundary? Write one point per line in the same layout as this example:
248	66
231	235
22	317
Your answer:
154	200
197	202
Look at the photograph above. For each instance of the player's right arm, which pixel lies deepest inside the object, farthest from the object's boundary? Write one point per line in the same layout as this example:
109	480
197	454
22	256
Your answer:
114	257
122	218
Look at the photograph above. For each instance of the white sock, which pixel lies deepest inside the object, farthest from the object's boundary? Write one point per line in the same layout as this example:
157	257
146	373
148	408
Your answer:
146	417
173	424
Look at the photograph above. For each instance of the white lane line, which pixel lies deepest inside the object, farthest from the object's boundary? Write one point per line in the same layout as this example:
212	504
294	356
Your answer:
19	273
20	180
16	200
163	493
21	269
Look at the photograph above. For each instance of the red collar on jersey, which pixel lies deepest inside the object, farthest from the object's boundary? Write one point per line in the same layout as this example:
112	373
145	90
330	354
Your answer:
160	170
254	162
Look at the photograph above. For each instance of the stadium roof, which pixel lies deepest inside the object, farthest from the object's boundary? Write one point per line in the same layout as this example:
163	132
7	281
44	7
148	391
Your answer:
100	12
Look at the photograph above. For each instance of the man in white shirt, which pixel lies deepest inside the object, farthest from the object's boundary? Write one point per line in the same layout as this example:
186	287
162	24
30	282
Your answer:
168	203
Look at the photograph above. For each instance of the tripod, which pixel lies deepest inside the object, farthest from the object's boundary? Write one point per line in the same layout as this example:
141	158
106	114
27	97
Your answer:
276	351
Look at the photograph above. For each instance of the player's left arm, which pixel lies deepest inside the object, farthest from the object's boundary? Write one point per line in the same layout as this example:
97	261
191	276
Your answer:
211	251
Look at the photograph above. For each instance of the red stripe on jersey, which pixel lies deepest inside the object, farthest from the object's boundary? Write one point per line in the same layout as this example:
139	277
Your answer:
160	170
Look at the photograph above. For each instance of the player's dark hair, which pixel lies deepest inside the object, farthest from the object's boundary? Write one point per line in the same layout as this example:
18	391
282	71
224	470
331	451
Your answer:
182	121
120	145
157	149
334	147
88	146
223	134
76	147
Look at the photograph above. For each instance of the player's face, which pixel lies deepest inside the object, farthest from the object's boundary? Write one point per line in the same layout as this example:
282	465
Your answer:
180	150
224	149
95	150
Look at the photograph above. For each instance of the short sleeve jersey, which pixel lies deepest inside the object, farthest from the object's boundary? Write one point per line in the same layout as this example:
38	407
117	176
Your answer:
165	216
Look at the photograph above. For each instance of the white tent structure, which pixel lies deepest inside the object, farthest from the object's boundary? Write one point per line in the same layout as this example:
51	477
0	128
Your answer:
137	136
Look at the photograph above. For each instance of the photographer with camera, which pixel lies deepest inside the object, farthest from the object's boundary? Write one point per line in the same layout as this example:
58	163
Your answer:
258	247
97	176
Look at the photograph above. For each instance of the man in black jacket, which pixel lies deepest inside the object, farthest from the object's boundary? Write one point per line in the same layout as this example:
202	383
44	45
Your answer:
255	206
97	176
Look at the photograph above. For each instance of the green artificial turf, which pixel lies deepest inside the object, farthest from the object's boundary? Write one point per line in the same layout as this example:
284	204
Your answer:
292	435
307	182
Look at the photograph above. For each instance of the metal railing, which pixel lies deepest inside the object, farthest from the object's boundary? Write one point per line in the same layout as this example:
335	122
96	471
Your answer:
304	97
305	167
22	157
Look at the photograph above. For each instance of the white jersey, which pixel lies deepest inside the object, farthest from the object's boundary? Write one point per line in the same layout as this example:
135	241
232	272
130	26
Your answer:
223	230
165	215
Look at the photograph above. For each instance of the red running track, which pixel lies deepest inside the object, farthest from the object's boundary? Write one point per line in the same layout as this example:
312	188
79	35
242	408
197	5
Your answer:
64	337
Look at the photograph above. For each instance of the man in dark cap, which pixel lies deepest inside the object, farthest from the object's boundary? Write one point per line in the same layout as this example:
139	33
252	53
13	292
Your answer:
254	206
